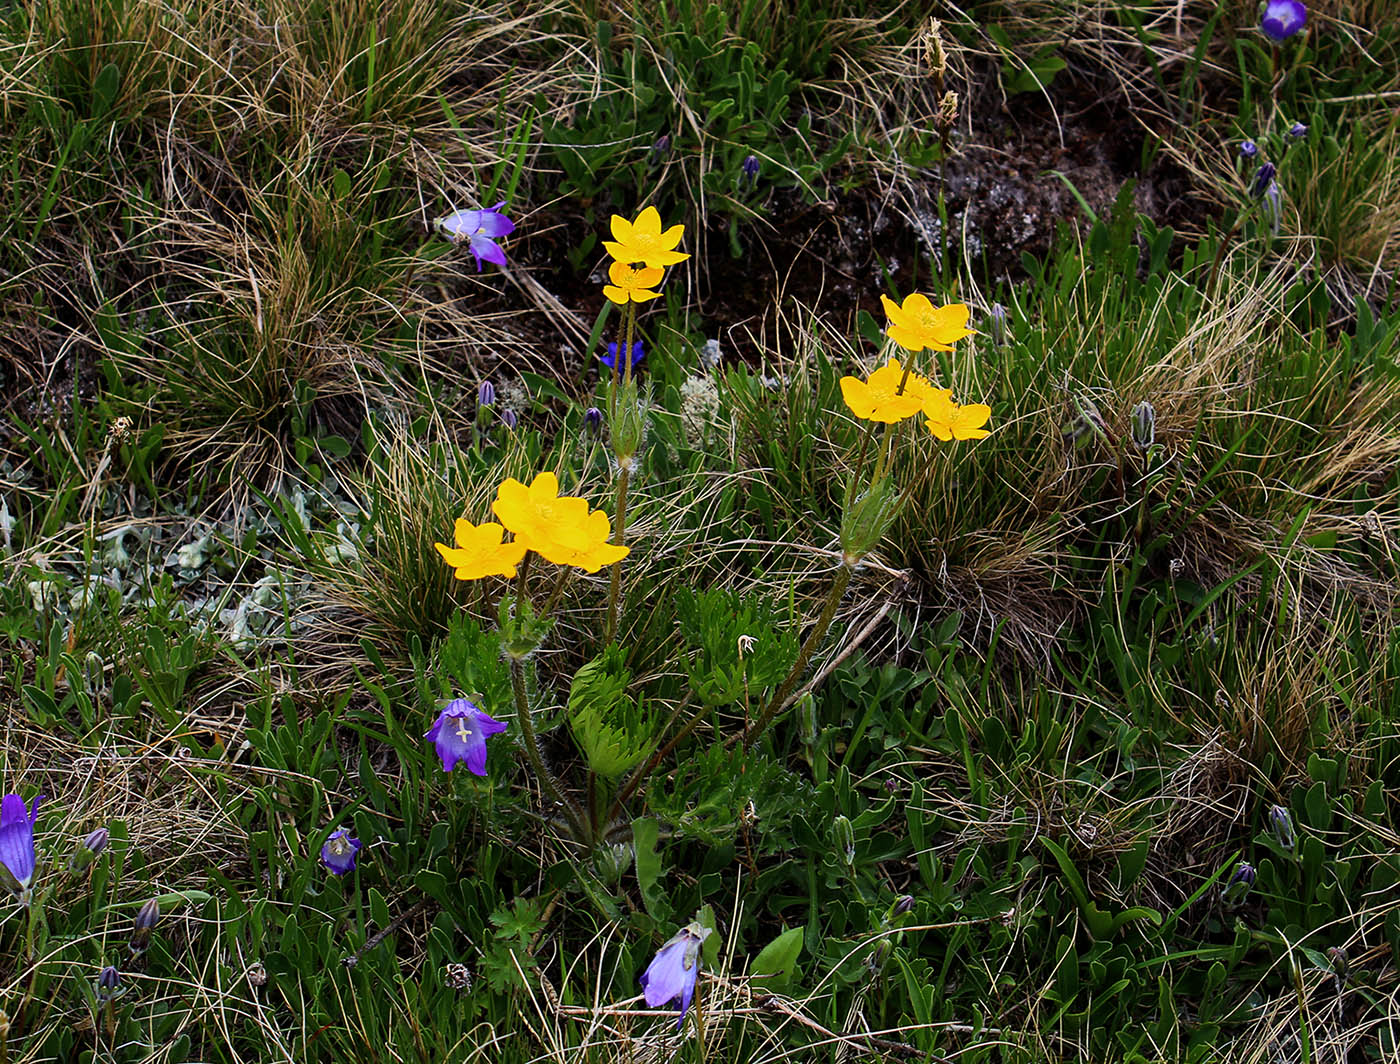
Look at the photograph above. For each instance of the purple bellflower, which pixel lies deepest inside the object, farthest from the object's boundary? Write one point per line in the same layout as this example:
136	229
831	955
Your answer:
479	230
672	971
460	734
1248	149
1282	19
610	359
339	852
17	839
1298	131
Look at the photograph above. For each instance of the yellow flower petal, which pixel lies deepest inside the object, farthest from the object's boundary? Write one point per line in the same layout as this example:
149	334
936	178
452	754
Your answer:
643	241
480	551
880	398
967	425
560	528
919	324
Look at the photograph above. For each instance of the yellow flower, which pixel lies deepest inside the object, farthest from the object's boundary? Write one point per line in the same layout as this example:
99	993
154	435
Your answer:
480	552
560	528
949	421
631	283
919	324
643	241
877	398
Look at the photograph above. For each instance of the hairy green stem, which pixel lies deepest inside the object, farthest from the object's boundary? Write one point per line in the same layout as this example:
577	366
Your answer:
615	576
532	753
809	647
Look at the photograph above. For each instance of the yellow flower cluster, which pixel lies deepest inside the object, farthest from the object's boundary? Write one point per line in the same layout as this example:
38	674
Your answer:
893	392
559	528
640	252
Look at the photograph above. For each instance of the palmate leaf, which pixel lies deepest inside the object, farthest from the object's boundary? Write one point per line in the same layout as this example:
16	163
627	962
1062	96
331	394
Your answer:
613	730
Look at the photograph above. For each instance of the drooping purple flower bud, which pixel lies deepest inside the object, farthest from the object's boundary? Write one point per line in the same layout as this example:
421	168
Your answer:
460	734
339	852
486	394
479	230
88	850
1248	149
1262	177
593	418
1282	19
1297	131
109	984
509	418
662	145
610	359
673	970
146	918
17	840
903	904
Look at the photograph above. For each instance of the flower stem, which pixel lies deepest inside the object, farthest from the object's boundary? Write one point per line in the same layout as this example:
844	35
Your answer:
814	639
615	576
532	752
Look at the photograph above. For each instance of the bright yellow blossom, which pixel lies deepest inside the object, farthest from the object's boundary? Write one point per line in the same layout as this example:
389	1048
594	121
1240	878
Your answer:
949	421
560	528
480	552
631	284
643	241
878	399
919	324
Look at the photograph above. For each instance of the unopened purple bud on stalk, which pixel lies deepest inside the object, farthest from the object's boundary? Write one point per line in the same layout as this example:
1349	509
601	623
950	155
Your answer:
146	919
593	419
1297	131
486	394
751	169
109	984
509	418
1263	176
1281	825
997	327
1238	887
89	849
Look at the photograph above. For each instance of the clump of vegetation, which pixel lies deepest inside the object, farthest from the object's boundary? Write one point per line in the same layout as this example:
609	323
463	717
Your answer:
554	531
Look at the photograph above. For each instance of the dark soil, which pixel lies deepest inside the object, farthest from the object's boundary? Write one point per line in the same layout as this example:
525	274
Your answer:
1004	201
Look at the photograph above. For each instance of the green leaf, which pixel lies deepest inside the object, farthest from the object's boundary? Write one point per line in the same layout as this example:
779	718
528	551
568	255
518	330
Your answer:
777	961
648	861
